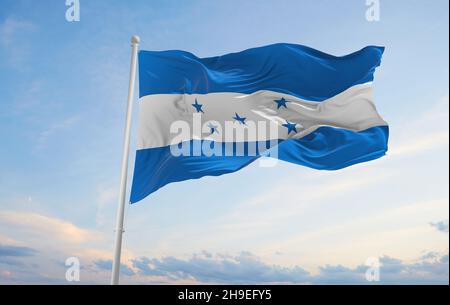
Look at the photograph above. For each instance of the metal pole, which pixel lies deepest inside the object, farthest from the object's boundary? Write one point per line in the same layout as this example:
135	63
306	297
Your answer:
123	177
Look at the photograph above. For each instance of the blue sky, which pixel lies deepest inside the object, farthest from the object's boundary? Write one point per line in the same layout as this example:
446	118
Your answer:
63	93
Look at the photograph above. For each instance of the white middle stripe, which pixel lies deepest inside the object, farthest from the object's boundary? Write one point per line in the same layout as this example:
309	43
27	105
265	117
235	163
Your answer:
352	109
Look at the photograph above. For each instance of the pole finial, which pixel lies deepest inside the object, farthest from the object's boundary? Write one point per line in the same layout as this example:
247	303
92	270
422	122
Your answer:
135	39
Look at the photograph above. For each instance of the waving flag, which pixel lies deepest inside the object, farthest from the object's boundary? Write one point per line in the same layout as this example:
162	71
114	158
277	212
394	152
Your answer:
315	110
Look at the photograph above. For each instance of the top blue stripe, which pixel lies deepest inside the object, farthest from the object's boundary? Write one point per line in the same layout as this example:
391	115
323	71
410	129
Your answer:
286	68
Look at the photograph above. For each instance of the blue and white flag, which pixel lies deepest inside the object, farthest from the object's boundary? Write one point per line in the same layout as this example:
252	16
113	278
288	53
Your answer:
211	116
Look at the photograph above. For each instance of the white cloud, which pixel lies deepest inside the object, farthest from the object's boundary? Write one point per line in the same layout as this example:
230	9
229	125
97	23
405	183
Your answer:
441	226
366	235
106	196
15	40
246	268
51	240
424	133
57	127
422	144
47	227
12	27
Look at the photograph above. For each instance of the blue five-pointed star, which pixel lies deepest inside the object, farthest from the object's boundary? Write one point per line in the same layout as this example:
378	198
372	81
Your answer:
291	127
281	103
239	119
213	128
198	106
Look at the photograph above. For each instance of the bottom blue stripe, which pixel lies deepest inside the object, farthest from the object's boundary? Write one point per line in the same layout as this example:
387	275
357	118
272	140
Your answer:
327	148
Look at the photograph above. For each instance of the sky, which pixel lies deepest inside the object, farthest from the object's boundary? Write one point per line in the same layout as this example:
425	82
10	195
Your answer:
63	89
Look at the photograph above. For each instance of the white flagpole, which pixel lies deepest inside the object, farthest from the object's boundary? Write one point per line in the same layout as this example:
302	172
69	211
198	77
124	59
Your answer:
123	177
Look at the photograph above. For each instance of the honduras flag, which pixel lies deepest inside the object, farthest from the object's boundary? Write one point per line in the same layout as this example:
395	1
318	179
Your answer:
212	116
